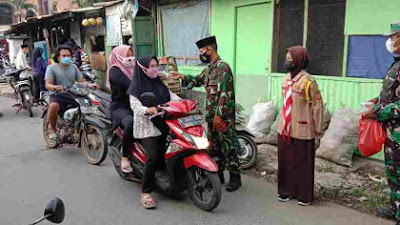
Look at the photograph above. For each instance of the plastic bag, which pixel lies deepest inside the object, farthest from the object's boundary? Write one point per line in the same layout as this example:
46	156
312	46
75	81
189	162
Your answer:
341	139
262	118
371	136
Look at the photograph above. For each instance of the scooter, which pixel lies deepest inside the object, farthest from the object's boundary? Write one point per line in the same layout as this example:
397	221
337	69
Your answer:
22	91
247	153
188	165
54	212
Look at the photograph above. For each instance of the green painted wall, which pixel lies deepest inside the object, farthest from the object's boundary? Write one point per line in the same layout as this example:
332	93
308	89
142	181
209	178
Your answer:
243	29
370	16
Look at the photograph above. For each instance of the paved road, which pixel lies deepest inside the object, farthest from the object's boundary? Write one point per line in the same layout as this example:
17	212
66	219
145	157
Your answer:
30	175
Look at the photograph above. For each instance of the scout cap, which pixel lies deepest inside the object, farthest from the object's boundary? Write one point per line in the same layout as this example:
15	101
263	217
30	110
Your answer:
206	41
394	28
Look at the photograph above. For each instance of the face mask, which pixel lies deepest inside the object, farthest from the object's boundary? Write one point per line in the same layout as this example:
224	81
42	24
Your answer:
66	60
127	61
152	73
205	58
289	66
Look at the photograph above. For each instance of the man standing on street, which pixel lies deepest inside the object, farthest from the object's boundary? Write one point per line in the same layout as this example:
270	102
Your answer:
387	110
218	81
21	62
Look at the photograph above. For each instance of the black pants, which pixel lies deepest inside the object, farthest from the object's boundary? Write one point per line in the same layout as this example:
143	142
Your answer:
296	162
38	83
155	150
123	118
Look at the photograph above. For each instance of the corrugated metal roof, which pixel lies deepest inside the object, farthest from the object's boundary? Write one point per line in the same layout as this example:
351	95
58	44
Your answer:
47	17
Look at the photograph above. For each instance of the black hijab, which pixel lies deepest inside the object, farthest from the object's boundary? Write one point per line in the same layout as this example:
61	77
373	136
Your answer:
300	58
141	83
37	53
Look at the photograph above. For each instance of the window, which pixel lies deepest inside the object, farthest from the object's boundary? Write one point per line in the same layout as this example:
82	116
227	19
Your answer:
5	14
324	36
182	25
289	17
368	57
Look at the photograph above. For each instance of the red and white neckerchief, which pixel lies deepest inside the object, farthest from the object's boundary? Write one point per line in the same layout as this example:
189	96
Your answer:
287	109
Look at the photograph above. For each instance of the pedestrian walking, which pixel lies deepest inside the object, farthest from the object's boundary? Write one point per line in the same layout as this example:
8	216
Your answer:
300	125
39	66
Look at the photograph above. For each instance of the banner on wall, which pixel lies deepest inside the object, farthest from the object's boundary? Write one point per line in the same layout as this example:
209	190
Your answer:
114	32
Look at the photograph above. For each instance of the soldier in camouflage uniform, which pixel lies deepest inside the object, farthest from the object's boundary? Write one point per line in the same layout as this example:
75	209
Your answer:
218	81
387	111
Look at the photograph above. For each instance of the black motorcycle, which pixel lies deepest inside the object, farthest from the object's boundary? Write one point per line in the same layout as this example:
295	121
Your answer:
22	90
80	125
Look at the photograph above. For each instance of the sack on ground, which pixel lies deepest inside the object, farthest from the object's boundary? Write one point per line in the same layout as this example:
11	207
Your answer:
262	118
341	139
326	119
272	137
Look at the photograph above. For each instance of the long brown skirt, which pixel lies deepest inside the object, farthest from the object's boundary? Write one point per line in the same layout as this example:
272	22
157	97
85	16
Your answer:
296	160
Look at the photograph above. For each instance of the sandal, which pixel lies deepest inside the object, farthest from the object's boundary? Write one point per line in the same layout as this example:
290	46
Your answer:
53	137
147	201
126	166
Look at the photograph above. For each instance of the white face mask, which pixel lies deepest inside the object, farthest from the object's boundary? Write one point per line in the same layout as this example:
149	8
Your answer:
127	61
389	45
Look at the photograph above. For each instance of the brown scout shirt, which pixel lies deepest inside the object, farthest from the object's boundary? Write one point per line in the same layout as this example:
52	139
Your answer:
306	112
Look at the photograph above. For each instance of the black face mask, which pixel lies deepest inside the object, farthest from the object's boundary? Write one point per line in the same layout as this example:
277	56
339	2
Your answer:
289	66
205	58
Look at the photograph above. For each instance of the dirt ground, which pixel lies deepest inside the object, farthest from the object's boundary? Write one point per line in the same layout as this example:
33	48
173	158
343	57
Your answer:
362	187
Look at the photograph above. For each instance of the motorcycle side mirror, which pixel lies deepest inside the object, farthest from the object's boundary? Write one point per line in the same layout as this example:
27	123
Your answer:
54	212
148	99
56	209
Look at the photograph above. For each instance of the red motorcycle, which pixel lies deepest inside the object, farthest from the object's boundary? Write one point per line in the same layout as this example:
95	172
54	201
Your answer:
188	165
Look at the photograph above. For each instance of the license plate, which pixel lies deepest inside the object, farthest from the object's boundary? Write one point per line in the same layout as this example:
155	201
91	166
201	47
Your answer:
89	110
190	121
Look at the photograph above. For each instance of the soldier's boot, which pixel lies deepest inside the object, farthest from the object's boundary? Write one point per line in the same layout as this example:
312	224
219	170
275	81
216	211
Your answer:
387	212
235	182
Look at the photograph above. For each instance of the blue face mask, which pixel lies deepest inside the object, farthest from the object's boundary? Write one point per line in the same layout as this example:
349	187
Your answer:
66	61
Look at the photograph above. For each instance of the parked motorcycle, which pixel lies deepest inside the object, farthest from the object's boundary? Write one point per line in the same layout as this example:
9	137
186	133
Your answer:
22	91
188	165
54	212
247	153
81	125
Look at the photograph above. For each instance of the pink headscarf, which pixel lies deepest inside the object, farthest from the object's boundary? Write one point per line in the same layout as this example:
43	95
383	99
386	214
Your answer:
114	60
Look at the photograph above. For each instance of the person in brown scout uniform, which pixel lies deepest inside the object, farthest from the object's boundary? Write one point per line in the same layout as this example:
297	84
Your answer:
301	124
217	79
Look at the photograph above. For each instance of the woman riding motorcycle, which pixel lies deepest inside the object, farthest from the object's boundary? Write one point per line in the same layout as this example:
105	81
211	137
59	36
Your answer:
151	132
122	62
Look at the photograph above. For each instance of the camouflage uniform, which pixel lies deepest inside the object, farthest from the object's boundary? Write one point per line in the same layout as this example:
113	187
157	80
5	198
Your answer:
218	81
387	111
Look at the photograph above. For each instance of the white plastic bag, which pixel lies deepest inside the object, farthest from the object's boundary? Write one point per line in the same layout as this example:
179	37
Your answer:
262	118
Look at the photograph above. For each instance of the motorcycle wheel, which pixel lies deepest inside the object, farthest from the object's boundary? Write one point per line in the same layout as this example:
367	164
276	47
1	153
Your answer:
27	102
204	189
94	145
247	153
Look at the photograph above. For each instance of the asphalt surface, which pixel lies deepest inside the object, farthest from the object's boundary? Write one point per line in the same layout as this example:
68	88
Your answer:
31	175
